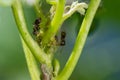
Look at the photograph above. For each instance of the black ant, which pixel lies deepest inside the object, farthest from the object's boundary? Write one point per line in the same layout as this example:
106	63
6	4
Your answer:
63	35
62	39
36	27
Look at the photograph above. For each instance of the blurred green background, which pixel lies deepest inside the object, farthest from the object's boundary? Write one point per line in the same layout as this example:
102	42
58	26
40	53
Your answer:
100	59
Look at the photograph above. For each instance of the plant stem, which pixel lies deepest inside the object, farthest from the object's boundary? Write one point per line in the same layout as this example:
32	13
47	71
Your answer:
31	62
55	23
21	24
80	41
38	10
52	2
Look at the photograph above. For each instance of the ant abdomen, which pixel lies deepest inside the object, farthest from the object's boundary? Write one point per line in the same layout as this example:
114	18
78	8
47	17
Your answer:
62	42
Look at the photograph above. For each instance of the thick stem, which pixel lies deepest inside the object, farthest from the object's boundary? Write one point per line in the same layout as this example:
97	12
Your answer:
31	63
80	41
21	24
55	23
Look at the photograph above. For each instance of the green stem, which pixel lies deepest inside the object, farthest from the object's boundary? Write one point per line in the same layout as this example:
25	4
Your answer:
52	2
55	23
80	41
38	9
31	62
21	24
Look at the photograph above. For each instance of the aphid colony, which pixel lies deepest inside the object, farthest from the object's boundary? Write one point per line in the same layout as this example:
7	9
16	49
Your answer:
37	29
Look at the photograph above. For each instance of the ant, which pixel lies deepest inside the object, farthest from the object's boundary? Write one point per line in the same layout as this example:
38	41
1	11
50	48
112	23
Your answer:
62	39
36	27
63	35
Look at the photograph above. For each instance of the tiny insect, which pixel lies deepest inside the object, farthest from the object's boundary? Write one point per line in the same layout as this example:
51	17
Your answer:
62	39
36	27
35	32
56	38
37	21
62	42
63	35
